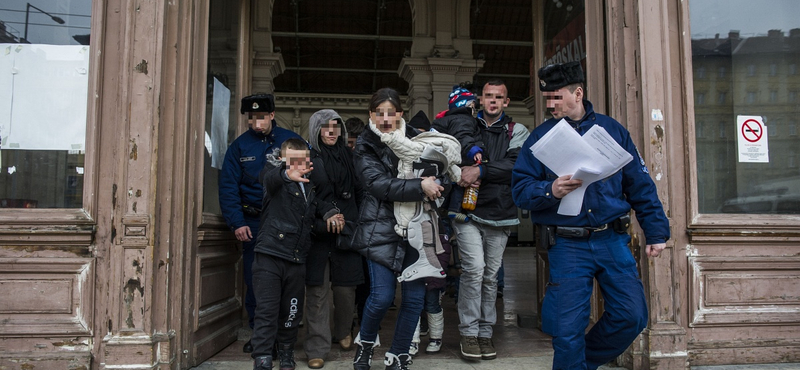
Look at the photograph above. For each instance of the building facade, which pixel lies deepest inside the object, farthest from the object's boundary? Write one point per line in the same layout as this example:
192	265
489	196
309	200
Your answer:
112	251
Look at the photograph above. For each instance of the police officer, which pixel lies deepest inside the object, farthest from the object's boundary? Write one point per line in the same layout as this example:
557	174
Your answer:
240	192
593	244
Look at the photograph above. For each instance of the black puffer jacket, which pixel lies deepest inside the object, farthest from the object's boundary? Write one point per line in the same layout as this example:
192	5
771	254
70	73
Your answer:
376	167
287	219
460	124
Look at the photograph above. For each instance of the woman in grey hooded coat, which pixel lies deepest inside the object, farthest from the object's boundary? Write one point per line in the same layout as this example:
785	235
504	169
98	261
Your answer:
331	265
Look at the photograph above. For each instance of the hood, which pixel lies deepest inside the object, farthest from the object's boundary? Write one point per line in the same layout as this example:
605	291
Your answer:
315	126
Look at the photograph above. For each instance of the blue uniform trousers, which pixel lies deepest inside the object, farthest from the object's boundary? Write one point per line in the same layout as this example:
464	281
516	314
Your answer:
248	254
574	264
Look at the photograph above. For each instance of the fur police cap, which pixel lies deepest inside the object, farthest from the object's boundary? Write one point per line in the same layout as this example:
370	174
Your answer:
258	103
556	76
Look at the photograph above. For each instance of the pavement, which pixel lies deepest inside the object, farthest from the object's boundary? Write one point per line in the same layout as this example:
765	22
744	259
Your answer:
519	344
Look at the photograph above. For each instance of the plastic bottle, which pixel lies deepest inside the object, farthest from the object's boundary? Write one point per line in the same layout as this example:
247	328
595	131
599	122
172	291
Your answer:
470	199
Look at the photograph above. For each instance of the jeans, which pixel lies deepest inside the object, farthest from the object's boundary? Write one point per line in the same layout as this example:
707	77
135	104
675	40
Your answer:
481	249
574	264
383	282
433	302
248	254
501	277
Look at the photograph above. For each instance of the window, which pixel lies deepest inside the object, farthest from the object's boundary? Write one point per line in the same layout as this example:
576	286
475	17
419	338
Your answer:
722	160
701	73
701	98
738	59
38	168
751	97
772	128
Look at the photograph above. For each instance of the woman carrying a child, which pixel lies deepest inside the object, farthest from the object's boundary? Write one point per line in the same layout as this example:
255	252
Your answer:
376	167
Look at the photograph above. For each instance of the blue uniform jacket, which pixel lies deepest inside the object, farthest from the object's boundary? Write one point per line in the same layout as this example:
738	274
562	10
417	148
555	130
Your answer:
605	200
238	180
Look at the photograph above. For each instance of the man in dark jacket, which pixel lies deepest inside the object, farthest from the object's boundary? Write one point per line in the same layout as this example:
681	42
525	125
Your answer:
482	240
290	207
239	190
592	245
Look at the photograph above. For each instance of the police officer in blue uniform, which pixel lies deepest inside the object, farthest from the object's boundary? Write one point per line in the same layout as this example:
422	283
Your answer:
593	244
240	192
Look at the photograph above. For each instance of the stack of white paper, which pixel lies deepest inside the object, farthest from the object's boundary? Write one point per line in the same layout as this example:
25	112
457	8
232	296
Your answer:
591	157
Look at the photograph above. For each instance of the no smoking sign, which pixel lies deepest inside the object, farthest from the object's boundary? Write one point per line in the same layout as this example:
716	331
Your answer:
752	137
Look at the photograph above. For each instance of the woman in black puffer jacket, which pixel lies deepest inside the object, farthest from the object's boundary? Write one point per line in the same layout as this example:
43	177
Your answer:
375	237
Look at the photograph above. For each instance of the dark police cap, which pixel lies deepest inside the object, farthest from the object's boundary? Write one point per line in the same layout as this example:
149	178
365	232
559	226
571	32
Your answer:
556	76
258	103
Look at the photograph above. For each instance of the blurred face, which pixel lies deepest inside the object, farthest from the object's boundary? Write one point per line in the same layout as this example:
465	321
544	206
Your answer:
563	103
330	132
494	99
297	159
261	121
351	142
385	117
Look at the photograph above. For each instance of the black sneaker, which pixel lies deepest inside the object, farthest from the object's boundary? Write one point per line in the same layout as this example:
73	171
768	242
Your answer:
248	347
487	349
262	363
470	349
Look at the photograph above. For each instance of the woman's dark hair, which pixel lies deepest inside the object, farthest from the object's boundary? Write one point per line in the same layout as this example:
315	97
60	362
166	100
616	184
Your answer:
385	94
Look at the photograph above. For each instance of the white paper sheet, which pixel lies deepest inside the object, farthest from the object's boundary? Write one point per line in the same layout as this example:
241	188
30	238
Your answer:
220	114
43	96
591	157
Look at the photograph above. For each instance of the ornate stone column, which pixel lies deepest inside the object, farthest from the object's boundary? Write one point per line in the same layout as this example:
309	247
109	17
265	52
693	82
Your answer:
431	80
440	55
266	66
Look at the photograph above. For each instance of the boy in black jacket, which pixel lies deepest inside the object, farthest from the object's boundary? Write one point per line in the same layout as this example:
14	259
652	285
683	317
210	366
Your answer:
290	207
459	121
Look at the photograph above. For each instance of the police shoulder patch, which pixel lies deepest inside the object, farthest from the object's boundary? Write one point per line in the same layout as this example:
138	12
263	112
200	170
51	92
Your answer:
641	161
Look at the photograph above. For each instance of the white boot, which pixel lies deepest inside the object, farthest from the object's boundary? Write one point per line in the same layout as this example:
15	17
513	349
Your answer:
414	349
436	329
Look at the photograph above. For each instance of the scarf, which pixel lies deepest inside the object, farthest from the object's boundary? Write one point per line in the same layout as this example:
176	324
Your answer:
339	166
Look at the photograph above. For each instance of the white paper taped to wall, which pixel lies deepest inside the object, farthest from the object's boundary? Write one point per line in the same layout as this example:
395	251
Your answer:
43	96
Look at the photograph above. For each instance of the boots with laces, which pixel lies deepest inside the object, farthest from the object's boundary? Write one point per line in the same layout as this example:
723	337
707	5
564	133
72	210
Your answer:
286	357
397	362
364	349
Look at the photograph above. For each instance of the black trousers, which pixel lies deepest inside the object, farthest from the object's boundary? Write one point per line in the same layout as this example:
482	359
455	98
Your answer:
280	290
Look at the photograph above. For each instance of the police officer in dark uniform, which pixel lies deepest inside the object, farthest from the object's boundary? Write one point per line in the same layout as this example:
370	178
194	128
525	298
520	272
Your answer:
593	244
240	192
